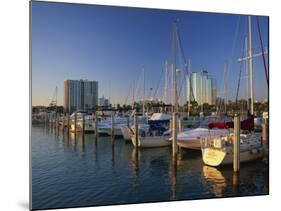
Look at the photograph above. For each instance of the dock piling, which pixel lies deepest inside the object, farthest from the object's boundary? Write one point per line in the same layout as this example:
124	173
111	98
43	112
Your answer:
58	123
68	122
83	125
63	122
174	134
136	130
128	121
265	137
96	126
181	126
265	130
236	144
112	124
75	123
235	182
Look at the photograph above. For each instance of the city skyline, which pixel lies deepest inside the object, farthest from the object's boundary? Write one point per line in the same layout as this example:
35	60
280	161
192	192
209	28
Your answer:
111	44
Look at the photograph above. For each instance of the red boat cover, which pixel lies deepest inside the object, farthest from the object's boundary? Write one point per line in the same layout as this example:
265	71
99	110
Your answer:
219	125
247	124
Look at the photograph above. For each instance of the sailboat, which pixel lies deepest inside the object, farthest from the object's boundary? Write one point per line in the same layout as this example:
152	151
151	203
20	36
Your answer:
219	150
105	125
151	133
156	137
125	129
190	139
89	123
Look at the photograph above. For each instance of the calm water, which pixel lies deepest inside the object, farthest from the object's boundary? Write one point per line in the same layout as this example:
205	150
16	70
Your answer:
69	172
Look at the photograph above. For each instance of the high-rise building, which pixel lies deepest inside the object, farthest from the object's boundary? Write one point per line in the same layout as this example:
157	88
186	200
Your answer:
203	88
104	102
80	95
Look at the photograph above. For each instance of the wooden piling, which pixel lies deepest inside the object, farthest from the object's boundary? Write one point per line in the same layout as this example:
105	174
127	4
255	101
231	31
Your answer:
96	126
236	144
50	123
75	123
68	122
136	131
58	123
181	126
55	123
235	182
128	121
265	130
174	134
265	138
112	123
83	124
63	122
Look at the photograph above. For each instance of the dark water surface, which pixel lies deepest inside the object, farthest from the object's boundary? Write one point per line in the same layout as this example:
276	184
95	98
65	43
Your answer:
69	172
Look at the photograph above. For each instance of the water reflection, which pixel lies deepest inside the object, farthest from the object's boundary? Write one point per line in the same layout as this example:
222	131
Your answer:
135	158
215	180
91	172
112	153
173	176
235	182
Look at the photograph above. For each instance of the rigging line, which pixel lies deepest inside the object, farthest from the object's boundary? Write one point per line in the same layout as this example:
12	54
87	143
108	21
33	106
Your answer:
239	79
184	59
131	86
235	37
231	55
183	80
158	84
262	49
234	40
138	87
183	55
181	91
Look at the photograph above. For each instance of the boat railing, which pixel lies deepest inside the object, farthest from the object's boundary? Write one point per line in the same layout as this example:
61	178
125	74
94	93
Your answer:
218	142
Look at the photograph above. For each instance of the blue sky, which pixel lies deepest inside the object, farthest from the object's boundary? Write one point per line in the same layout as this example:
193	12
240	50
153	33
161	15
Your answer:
111	44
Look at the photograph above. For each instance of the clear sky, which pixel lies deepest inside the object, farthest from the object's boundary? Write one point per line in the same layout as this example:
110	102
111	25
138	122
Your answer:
111	44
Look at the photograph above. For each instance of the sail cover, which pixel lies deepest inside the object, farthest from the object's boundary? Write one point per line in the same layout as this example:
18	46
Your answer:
247	124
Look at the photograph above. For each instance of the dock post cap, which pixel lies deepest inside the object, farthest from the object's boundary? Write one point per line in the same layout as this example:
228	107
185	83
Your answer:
236	114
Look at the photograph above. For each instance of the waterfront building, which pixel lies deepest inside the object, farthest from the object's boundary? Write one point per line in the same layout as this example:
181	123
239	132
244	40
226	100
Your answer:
104	102
80	95
202	88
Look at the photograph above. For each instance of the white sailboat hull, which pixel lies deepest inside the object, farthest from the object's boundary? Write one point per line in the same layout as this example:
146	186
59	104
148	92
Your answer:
126	130
251	148
152	141
216	157
88	128
193	144
190	139
126	133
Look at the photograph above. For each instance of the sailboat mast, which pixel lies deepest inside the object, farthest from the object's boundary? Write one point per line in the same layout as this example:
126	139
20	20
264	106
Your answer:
247	72
166	82
133	103
225	87
56	98
189	87
251	65
175	67
143	91
201	97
